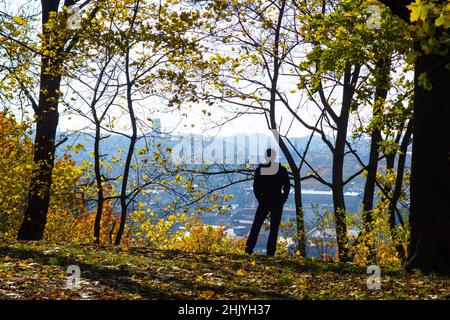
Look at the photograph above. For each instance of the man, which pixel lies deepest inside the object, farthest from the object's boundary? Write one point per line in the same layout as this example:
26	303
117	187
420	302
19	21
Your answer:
271	187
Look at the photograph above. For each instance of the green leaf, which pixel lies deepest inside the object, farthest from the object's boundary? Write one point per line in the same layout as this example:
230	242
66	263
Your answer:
440	21
424	82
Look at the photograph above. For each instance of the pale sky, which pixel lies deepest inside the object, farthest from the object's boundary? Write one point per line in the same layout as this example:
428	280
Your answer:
246	124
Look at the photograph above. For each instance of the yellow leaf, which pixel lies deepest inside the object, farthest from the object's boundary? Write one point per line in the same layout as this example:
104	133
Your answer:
20	21
240	273
208	294
419	10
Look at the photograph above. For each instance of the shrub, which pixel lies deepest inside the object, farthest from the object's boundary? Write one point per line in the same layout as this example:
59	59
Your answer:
201	237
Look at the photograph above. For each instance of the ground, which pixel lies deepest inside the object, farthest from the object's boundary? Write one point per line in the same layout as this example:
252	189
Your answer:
38	271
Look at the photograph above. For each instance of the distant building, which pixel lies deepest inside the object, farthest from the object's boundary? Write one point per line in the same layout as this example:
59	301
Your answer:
157	126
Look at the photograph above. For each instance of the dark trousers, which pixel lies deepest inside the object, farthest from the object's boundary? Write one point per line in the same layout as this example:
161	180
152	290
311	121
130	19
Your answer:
260	216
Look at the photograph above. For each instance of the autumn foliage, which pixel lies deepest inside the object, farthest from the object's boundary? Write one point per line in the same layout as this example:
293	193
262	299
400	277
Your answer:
69	219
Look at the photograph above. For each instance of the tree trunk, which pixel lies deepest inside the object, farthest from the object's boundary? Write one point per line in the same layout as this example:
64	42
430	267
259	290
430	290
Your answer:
133	138
338	196
392	208
390	163
98	179
299	214
429	247
338	163
372	167
273	125
123	193
369	186
47	116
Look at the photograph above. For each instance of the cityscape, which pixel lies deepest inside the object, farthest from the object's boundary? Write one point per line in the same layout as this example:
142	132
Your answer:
239	150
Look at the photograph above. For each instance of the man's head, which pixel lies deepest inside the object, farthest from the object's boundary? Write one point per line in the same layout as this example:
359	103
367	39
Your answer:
271	166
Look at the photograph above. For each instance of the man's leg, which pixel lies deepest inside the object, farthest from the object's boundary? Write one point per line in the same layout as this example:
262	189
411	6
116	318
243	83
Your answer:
275	219
260	216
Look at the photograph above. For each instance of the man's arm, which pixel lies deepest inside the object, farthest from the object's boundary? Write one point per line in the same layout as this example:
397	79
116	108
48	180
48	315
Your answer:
286	184
257	183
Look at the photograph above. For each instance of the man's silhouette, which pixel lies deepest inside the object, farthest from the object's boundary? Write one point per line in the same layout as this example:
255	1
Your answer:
271	187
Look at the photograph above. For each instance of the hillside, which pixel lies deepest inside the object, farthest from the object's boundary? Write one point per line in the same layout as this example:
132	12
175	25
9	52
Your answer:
38	271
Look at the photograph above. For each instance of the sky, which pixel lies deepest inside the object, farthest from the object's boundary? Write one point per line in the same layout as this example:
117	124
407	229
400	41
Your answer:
172	121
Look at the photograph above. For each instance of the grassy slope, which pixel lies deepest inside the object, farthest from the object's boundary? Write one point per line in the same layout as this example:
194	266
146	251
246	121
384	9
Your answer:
37	271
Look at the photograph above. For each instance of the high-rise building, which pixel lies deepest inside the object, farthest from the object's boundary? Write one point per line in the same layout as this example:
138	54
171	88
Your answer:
157	126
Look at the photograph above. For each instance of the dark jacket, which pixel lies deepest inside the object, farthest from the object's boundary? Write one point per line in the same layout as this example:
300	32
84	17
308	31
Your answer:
271	189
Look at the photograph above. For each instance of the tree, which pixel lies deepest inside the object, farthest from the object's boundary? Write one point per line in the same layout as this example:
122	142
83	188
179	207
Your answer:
139	66
16	165
63	49
57	43
429	247
382	68
347	71
334	62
